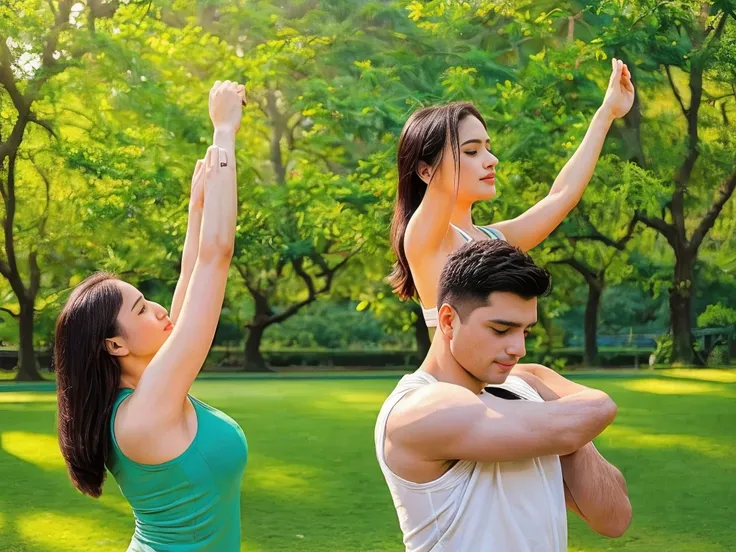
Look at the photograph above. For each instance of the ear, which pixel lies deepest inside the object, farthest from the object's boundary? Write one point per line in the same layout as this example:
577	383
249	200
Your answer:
425	171
445	319
116	347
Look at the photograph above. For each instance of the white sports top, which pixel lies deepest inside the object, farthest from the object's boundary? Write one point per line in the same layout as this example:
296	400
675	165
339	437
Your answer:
474	506
431	315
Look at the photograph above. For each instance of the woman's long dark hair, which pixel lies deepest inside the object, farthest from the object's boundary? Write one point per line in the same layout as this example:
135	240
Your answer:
87	378
423	138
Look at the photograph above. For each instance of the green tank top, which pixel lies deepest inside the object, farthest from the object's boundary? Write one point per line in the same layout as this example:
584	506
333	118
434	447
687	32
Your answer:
190	503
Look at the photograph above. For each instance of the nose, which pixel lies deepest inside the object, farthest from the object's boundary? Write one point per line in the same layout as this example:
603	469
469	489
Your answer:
490	161
162	312
517	346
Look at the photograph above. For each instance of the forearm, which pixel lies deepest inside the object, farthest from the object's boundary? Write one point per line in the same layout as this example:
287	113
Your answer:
224	137
553	385
189	258
219	216
577	172
597	490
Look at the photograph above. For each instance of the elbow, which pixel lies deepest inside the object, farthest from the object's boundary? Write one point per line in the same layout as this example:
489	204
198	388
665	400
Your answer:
220	250
608	409
616	527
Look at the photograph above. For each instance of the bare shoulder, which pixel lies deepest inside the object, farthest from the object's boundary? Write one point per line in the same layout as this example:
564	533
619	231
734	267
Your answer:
432	410
140	435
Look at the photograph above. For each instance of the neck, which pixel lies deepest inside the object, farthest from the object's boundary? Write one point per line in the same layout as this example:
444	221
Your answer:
462	215
442	365
132	369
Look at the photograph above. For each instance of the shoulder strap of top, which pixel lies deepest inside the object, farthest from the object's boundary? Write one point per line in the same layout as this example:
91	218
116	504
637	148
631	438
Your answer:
122	395
467	237
491	232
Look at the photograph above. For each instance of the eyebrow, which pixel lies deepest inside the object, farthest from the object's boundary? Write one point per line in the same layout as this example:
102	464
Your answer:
512	324
136	302
474	141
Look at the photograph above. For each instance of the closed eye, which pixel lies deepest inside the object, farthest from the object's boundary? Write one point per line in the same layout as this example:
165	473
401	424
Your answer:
500	332
143	309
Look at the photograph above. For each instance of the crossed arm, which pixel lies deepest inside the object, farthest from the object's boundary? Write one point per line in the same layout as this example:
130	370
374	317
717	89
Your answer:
594	488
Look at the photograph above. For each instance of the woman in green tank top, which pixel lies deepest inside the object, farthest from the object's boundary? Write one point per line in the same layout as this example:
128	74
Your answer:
124	369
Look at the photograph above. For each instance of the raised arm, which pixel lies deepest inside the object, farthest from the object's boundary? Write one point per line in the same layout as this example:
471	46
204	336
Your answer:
224	137
430	222
533	226
449	422
170	374
191	240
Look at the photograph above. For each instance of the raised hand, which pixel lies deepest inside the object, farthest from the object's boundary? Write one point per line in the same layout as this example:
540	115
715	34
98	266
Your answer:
620	93
226	105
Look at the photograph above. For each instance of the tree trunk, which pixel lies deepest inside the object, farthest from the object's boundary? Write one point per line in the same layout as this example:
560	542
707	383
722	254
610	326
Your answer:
27	362
591	324
681	310
254	361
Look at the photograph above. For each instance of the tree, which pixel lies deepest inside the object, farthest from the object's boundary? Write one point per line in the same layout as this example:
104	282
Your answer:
40	42
691	44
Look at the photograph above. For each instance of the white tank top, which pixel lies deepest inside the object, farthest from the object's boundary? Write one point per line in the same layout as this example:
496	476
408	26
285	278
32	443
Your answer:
431	314
474	506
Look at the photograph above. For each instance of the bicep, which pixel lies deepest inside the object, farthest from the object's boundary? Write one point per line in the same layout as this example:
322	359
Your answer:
495	430
534	225
430	222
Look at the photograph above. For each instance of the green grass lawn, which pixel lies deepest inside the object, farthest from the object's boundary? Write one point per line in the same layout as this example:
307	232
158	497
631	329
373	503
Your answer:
312	482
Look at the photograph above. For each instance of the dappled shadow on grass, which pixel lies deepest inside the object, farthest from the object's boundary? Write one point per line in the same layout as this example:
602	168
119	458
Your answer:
672	448
40	506
313	483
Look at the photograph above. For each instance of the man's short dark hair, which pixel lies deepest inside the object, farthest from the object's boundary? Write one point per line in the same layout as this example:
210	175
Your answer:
479	268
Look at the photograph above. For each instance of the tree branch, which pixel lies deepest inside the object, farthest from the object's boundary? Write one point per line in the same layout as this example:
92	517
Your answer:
11	313
587	273
42	123
664	228
685	110
707	222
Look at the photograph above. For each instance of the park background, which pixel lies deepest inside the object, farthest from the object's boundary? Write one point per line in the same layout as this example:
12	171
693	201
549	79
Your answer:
103	113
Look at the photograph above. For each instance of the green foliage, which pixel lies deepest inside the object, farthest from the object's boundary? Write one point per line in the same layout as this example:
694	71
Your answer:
663	351
330	85
718	316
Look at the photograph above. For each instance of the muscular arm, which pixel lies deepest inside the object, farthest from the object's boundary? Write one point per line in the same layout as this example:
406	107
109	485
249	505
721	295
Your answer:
448	422
594	488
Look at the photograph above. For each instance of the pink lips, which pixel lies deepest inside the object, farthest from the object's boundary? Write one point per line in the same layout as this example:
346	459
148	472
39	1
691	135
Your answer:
168	327
505	367
490	178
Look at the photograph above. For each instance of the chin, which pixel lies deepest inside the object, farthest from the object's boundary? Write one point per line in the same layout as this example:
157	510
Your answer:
488	192
497	378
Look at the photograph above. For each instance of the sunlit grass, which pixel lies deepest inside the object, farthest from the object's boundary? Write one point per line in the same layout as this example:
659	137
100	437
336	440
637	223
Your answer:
312	482
674	387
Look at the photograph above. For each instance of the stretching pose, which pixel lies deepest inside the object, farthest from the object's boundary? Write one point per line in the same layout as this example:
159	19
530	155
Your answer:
125	366
445	166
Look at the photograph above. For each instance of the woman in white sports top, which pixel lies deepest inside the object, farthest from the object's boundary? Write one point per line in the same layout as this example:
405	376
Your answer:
445	165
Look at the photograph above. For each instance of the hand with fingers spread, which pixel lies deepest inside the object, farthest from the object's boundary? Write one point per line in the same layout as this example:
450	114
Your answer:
226	105
620	93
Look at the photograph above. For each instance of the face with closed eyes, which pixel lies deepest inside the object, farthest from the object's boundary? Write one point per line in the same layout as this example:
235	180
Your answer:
489	340
145	325
477	176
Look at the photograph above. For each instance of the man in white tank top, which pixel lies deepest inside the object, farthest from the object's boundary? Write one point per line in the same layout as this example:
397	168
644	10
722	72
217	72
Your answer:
467	468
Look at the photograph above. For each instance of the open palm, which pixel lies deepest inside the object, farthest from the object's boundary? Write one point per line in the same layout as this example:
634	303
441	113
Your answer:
620	94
